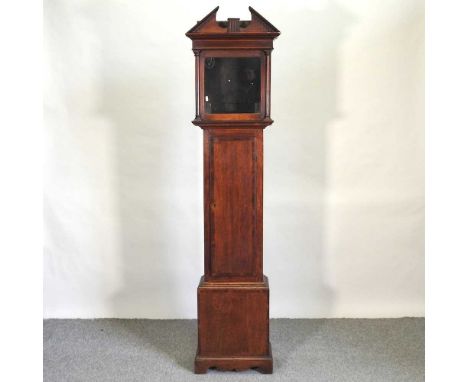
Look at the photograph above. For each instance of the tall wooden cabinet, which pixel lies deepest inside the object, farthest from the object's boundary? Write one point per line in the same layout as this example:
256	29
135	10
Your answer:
232	96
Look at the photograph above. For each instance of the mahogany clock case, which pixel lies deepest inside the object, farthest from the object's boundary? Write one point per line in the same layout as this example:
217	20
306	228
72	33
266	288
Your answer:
232	96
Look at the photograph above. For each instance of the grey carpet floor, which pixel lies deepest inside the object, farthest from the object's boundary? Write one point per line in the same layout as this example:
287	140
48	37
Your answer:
303	350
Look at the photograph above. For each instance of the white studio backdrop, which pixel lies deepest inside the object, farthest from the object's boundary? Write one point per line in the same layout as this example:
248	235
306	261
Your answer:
344	170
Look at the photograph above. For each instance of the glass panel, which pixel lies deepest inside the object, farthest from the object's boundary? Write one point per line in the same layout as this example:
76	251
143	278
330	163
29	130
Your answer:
232	85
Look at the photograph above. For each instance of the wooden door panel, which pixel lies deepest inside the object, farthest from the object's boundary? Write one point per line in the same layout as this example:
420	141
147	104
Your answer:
234	202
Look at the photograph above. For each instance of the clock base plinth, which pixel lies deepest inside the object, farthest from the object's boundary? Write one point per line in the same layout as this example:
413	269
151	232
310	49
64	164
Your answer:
233	326
263	364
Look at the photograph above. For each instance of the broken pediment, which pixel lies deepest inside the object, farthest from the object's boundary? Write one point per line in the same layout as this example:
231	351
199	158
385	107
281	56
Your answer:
209	27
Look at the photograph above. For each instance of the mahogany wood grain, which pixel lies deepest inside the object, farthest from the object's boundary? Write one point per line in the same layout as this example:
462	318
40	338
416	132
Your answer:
233	294
233	204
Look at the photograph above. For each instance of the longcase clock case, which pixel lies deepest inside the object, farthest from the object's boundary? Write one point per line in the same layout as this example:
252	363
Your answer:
232	96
